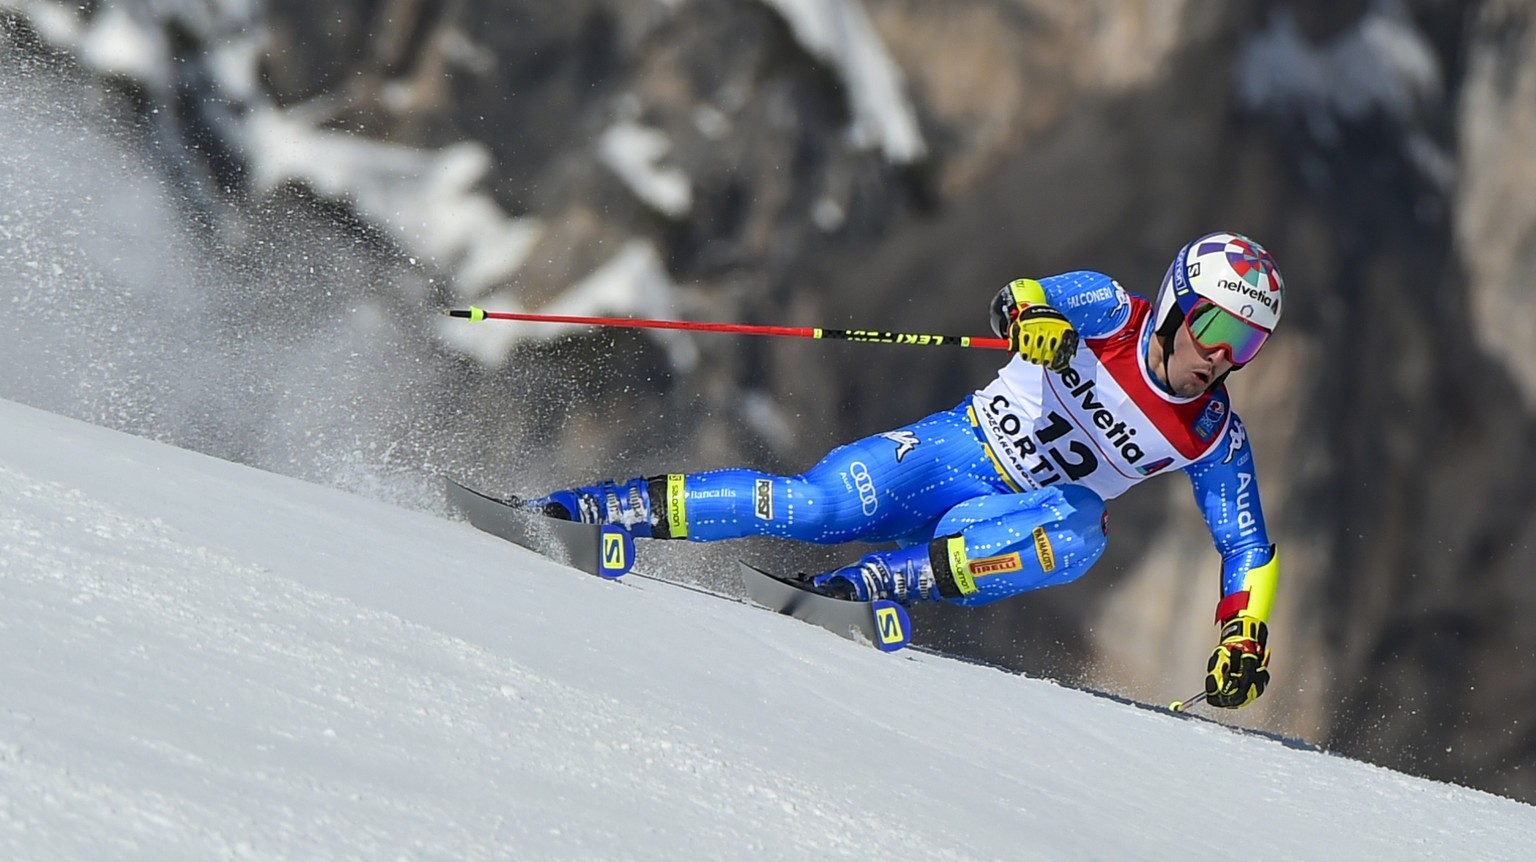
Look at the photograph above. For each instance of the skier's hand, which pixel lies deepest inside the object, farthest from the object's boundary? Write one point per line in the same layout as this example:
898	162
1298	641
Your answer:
1239	668
1044	336
1022	313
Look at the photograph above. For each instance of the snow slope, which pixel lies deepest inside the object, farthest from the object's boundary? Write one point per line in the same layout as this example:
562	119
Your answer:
199	660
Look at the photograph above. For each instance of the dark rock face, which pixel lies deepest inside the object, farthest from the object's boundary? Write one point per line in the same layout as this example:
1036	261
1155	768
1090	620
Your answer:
1380	149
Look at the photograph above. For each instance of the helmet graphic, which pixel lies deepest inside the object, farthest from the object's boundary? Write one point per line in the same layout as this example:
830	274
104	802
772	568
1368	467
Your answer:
1228	290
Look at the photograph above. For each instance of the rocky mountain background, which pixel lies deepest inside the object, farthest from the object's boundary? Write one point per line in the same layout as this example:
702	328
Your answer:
230	224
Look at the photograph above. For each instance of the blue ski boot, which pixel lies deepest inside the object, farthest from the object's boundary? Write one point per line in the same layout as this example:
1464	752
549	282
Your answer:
627	504
903	576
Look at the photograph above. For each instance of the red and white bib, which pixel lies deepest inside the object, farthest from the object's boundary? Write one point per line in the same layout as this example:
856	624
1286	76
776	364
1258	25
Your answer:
1103	423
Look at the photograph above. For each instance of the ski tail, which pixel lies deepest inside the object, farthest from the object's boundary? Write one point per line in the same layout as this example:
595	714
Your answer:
882	623
607	551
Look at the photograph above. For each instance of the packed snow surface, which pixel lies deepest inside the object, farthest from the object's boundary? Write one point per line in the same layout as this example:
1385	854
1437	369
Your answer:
200	661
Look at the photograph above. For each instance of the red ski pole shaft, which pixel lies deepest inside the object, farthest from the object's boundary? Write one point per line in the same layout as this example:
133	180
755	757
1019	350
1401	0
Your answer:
474	314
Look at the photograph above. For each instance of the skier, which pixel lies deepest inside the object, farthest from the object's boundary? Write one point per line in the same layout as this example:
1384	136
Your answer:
1005	493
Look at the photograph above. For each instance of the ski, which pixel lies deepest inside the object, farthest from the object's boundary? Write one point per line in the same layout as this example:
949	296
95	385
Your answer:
884	624
607	551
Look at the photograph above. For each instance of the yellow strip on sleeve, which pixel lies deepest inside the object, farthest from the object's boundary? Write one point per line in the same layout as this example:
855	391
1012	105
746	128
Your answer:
677	506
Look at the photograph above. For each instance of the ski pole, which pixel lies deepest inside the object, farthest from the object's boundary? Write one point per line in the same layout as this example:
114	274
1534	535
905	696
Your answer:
1181	705
474	314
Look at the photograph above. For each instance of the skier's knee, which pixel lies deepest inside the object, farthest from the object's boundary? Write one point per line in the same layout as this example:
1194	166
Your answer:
1030	542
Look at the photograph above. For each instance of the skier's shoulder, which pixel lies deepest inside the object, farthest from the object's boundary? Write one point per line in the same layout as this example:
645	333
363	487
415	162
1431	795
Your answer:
1084	285
1095	303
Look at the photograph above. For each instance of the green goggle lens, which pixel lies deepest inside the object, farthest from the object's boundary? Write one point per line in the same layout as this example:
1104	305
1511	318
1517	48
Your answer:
1215	327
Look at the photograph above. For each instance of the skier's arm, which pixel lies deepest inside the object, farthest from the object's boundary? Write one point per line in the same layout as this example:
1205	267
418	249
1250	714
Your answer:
1043	319
1226	487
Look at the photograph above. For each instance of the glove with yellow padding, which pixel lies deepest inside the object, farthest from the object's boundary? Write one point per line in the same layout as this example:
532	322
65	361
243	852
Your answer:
1239	667
1035	330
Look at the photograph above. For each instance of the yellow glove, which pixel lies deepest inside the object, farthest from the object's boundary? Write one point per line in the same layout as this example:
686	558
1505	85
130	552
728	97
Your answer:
1044	336
1239	668
1034	329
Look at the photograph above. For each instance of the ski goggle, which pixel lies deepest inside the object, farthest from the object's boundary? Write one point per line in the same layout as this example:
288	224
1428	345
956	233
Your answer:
1213	326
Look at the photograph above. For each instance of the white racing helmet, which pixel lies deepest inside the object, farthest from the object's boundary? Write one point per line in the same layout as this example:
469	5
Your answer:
1228	290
